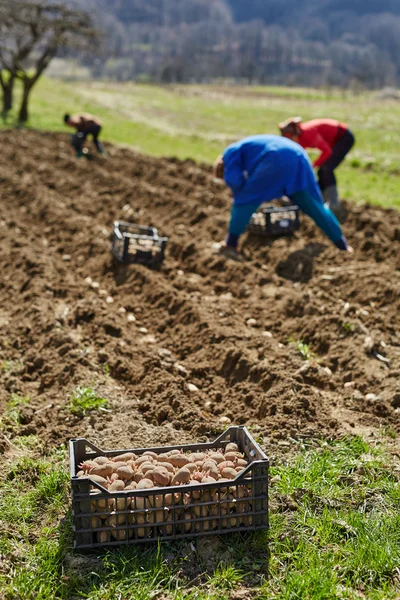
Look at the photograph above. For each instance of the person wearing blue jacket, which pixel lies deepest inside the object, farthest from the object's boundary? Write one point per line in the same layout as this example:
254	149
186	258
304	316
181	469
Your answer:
260	168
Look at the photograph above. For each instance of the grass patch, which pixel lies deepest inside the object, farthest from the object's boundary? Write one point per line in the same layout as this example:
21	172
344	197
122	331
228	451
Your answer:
198	121
11	418
348	328
84	400
302	348
335	534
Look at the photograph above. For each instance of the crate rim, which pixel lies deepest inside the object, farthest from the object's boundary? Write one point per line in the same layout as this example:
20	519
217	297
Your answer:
151	236
277	209
171	489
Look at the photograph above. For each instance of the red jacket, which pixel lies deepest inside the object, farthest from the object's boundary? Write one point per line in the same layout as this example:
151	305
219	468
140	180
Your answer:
323	134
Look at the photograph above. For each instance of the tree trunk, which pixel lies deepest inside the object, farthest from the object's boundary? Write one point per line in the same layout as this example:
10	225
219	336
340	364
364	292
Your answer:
8	88
23	114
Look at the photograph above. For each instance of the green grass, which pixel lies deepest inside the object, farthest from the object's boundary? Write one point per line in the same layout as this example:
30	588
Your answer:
10	419
86	399
348	328
335	534
303	349
199	121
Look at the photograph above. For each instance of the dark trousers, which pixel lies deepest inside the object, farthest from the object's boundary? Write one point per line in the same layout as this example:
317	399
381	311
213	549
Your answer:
78	138
326	176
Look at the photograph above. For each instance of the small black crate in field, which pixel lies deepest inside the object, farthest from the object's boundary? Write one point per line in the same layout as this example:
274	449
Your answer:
133	243
108	511
274	221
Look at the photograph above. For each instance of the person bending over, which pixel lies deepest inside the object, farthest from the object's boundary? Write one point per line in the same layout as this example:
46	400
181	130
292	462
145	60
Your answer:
263	167
333	139
85	125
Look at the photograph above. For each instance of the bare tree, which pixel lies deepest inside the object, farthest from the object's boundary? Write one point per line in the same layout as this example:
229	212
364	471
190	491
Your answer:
32	32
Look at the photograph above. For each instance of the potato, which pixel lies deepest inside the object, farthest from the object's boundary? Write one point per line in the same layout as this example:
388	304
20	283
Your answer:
119	534
172	452
144	484
150	453
241	462
102	470
100	505
124	457
138	476
172	499
179	460
116	519
229	473
101	460
158	516
232	456
96	522
113	477
164	457
125	472
231	447
80	473
207	479
161	476
131	486
103	537
98	479
182	476
117	486
167	528
192	467
143	459
119	464
121	503
87	465
239	469
187	525
230	522
166	465
225	464
197	456
146	466
210	467
217	457
195	494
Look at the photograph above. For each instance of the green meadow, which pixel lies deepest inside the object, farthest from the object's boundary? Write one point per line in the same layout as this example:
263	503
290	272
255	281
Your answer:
198	121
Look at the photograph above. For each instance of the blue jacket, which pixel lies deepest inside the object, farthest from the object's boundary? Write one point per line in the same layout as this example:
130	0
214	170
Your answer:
264	167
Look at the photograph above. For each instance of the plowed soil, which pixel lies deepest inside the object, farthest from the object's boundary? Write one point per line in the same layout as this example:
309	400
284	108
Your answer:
67	308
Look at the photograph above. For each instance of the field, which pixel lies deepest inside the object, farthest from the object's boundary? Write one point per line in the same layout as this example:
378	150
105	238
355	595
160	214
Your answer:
300	343
198	121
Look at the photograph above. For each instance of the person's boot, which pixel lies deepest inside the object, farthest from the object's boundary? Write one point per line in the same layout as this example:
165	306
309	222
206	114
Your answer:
331	197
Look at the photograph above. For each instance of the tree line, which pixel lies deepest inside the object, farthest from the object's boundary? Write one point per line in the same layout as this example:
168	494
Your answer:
306	42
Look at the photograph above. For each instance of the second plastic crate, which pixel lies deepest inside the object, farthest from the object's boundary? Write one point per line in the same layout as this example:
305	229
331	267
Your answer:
274	221
133	243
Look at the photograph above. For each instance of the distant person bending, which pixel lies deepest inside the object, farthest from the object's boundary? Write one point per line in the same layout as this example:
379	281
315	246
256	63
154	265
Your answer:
333	138
85	125
263	167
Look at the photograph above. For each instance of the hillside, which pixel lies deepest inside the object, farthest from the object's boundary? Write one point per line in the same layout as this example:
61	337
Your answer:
299	42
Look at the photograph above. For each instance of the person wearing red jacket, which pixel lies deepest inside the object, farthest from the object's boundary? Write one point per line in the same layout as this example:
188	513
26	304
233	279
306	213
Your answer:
333	138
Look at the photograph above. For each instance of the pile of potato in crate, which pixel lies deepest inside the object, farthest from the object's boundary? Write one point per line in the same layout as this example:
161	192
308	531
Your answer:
147	494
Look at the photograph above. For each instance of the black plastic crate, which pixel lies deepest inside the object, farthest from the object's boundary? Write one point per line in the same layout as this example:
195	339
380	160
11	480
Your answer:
133	243
103	518
274	221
